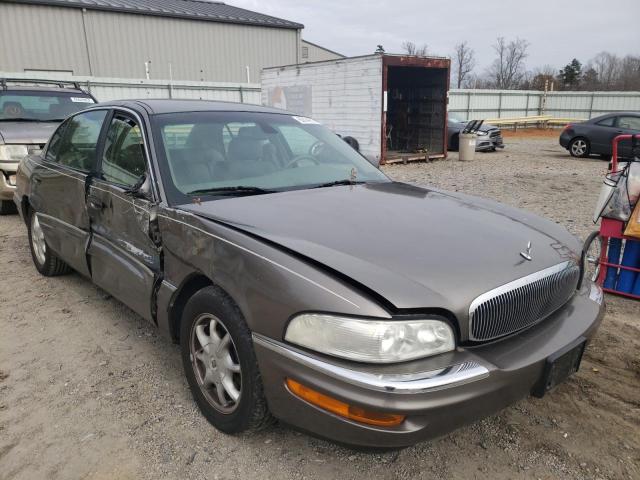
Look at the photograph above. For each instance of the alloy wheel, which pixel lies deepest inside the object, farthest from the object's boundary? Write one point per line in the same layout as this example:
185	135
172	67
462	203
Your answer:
579	148
215	362
37	238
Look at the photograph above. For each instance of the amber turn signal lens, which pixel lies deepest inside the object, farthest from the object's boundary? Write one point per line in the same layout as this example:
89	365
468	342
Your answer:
343	409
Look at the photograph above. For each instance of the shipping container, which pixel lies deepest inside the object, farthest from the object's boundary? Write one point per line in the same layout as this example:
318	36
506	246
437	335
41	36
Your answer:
395	106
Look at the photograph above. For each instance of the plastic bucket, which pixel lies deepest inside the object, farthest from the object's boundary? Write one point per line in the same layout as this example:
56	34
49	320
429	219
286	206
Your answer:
613	256
467	146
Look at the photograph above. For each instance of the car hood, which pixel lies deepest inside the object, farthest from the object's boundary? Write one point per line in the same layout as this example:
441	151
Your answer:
415	247
27	132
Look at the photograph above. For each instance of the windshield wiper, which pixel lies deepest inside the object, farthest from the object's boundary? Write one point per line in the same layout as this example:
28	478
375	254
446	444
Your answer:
249	190
340	182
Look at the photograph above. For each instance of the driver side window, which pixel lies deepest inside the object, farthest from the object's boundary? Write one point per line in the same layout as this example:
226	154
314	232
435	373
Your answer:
123	160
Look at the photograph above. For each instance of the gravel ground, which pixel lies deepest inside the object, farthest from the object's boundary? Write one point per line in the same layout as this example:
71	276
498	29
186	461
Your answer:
89	390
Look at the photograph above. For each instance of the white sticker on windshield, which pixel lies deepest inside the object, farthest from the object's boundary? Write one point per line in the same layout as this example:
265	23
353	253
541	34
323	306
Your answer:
81	100
306	120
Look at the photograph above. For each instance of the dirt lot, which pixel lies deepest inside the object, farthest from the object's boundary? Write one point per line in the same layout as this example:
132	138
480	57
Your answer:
89	390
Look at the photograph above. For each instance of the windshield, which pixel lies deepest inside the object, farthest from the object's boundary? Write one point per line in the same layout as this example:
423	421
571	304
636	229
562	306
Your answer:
213	153
41	106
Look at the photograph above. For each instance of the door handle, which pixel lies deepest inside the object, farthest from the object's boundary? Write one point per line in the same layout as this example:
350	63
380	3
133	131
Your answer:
95	203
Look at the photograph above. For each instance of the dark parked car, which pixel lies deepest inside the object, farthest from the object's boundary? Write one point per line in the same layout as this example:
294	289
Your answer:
29	113
596	135
489	137
300	281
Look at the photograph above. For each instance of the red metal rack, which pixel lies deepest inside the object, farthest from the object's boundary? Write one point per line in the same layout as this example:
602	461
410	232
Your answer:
610	228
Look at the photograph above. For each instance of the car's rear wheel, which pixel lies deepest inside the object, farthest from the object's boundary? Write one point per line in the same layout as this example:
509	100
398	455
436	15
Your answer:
455	143
579	147
220	364
46	262
7	207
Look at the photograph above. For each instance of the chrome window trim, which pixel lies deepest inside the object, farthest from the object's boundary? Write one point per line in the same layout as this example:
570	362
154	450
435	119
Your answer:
414	383
509	287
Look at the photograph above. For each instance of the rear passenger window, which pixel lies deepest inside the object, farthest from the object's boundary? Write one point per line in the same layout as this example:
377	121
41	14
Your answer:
55	143
123	161
607	122
77	148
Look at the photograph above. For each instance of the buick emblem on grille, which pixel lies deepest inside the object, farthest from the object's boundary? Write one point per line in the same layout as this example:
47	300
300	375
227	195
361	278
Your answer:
527	254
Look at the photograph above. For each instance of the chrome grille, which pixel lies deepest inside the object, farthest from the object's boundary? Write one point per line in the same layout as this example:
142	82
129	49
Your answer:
522	303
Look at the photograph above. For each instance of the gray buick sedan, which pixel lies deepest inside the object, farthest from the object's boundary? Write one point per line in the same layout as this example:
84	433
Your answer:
301	283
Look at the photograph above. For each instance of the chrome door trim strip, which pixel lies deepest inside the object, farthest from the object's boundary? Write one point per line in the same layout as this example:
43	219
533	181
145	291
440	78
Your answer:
421	382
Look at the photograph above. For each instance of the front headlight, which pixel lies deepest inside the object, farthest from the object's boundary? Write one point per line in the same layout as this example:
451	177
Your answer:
482	134
13	153
371	341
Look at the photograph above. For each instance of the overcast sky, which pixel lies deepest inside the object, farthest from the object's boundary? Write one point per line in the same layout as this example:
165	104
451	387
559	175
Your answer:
558	30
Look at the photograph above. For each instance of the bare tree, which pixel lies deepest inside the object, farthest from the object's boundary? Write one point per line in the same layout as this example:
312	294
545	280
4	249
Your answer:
464	62
411	48
508	68
607	67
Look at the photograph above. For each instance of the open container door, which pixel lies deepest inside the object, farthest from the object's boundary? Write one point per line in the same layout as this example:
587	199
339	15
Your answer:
414	117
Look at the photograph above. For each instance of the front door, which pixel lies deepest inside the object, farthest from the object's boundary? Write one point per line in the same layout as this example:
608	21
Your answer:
627	125
59	183
124	260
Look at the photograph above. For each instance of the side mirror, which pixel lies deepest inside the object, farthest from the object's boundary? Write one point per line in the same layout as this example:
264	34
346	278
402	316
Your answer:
141	189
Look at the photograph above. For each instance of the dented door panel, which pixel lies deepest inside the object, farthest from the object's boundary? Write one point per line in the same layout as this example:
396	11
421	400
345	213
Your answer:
124	259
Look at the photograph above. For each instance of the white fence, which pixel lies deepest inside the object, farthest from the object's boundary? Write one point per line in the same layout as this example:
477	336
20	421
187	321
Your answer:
478	104
467	104
105	89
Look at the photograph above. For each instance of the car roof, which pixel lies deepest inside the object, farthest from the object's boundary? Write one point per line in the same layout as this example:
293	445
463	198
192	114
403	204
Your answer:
29	88
615	114
160	106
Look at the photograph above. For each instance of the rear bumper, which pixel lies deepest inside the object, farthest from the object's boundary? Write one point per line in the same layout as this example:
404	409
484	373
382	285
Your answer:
437	395
564	140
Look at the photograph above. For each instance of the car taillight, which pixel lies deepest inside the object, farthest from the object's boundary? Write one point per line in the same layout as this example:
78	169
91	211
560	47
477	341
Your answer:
567	127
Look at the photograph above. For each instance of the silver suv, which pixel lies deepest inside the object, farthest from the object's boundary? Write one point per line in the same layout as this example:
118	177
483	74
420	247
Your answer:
30	111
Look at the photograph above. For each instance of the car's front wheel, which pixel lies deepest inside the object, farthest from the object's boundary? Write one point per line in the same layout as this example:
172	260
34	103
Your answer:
579	147
46	261
220	364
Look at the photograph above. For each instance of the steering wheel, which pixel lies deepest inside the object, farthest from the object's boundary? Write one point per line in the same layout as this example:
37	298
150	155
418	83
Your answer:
317	148
298	158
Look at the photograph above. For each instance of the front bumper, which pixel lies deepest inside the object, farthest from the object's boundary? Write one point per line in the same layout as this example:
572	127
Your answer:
437	394
6	188
487	143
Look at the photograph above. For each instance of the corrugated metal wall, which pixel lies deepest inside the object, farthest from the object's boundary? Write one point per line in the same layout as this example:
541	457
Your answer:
106	89
34	37
316	54
345	96
476	104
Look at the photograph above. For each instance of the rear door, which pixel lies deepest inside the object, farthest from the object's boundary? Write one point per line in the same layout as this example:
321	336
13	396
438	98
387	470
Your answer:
627	125
124	260
601	134
58	186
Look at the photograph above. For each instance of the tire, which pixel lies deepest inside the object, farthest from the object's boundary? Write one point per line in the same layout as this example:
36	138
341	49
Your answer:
213	386
579	147
7	207
455	143
45	261
592	250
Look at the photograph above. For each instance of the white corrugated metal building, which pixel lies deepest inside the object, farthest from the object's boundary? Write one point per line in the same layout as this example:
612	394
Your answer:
195	40
312	52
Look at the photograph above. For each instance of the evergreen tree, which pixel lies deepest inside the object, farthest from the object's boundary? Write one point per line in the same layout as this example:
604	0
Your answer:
571	75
